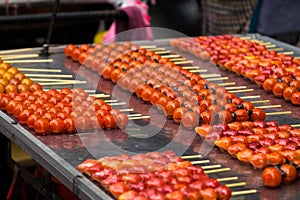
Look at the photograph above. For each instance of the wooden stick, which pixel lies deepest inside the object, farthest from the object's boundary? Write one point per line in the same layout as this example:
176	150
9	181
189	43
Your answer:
270	46
15	50
110	100
170	56
235	193
239	91
245	38
260	101
287	53
117	103
199	162
126	110
100	95
250	97
134	115
148	46
269	106
235	87
162	52
225	84
228	179
193	67
191	156
264	43
50	80
156	49
50	75
39	70
210	75
177	59
217	79
295	125
183	62
216	170
63	83
277	49
211	166
279	113
236	184
198	71
141	117
90	91
18	56
31	61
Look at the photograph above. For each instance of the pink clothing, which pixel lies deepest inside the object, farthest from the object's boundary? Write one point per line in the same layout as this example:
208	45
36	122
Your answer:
138	23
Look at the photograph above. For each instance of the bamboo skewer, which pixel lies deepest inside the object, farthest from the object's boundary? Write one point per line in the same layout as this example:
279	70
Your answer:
226	84
270	46
177	59
260	101
277	49
210	166
39	70
216	170
191	156
198	71
18	56
199	162
295	125
235	87
90	91
251	97
245	38
236	184
50	80
228	179
111	101
279	113
148	46
126	110
193	67
31	61
235	193
287	53
117	103
239	91
63	83
134	115
156	49
210	75
15	50
171	56
50	75
100	95
183	62
217	79
141	117
162	52
269	106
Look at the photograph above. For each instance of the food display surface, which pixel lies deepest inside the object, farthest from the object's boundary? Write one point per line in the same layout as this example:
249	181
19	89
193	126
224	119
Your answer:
61	154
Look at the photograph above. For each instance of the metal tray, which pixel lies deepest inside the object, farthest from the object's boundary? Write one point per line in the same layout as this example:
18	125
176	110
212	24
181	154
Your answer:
60	154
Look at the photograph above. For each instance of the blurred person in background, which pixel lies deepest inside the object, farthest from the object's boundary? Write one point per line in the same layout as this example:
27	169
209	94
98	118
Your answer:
227	16
279	19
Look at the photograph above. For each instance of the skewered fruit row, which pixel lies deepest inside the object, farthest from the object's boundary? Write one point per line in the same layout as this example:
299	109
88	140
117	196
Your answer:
11	80
60	111
276	73
182	95
261	144
153	175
